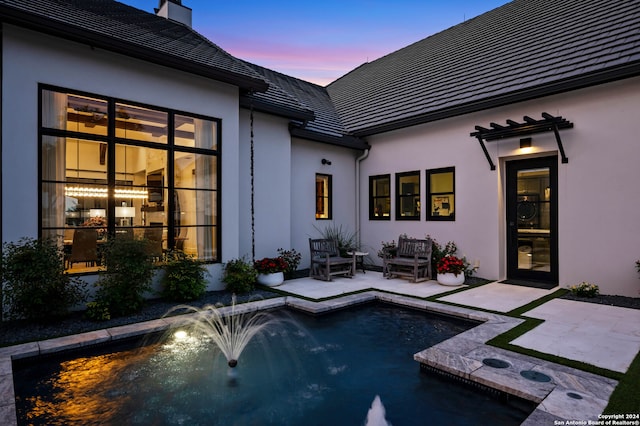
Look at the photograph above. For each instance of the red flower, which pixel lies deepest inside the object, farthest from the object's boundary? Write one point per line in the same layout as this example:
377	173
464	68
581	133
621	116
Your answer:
269	265
450	264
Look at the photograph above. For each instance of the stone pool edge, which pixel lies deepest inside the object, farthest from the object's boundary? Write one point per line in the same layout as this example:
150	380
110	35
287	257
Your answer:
460	356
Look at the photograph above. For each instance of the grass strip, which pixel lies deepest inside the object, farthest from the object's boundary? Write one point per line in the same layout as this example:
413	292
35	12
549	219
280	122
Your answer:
625	398
532	305
503	341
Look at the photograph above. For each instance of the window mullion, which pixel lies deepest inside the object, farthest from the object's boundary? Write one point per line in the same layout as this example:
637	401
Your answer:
170	180
111	168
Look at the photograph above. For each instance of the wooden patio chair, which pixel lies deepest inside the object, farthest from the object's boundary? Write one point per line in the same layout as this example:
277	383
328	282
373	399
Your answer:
326	261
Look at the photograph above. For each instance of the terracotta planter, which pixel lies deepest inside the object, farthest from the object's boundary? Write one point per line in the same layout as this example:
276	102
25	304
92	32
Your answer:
271	280
450	279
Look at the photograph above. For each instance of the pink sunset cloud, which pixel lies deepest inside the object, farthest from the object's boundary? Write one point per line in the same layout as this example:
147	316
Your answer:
320	64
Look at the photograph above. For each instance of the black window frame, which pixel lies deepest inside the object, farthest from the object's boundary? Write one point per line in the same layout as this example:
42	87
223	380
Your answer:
430	194
374	199
414	195
328	196
111	141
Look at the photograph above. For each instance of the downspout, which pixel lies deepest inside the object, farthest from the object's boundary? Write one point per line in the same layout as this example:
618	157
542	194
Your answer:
358	160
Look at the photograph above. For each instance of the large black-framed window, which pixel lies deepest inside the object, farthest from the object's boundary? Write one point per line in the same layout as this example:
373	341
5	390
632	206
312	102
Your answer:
441	194
111	168
380	197
323	197
408	195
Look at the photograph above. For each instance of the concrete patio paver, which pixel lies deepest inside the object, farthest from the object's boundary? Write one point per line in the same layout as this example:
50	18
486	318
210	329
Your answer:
601	335
497	297
316	289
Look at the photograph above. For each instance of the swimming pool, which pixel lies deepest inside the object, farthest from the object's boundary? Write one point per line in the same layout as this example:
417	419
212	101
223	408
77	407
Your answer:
313	371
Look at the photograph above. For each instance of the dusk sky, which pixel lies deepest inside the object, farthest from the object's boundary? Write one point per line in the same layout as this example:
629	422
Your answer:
321	41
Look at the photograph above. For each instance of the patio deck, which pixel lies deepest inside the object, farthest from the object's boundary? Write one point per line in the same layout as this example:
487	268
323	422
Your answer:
604	336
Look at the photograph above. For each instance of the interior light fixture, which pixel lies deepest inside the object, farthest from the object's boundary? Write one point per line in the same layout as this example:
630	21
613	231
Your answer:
125	211
97	212
525	143
80	191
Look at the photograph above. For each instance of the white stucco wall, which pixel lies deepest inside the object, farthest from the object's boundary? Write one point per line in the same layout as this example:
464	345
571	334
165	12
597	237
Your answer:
306	161
30	58
598	222
272	180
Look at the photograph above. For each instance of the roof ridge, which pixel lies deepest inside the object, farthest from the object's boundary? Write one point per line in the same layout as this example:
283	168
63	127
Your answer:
521	47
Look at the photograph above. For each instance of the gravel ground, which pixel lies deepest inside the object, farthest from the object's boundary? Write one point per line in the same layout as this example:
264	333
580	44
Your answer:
14	332
620	301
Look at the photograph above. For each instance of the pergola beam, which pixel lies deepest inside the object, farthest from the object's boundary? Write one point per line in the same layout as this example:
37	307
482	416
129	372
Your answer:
549	123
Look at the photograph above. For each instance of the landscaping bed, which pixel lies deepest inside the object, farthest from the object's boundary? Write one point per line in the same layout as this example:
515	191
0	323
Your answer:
14	332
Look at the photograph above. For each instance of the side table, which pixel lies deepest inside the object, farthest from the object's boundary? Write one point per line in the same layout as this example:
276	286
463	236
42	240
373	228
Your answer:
358	260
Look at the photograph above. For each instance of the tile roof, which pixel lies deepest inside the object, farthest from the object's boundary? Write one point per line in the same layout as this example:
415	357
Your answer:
314	99
124	29
522	50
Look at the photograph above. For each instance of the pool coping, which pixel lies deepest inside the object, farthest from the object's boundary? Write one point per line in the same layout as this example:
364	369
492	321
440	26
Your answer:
568	391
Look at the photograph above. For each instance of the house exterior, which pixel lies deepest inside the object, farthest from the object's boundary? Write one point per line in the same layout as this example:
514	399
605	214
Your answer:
560	77
130	123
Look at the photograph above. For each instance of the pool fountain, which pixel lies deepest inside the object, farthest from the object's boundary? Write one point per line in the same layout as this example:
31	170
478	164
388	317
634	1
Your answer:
230	329
311	371
376	414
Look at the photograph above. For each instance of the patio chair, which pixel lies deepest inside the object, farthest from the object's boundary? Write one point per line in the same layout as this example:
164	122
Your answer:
154	238
326	261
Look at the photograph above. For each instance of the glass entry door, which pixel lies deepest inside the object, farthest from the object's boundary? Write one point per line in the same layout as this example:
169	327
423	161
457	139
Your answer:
532	220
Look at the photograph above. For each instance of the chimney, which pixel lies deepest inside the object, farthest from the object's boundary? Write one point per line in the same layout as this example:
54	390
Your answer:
175	11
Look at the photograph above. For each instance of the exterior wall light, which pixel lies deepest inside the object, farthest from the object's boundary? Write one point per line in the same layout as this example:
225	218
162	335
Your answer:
525	143
326	162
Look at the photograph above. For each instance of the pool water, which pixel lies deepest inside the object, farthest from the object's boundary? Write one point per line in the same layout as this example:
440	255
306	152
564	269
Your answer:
323	370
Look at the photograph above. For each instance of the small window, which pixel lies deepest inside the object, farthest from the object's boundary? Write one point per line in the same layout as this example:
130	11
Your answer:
380	197
441	194
408	196
323	196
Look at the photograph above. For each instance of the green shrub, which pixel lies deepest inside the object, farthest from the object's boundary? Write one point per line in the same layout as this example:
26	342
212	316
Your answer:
292	257
35	284
97	311
239	275
183	279
128	274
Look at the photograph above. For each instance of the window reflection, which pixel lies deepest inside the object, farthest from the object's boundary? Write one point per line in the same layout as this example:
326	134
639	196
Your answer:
408	196
441	194
85	194
323	196
380	197
143	124
196	132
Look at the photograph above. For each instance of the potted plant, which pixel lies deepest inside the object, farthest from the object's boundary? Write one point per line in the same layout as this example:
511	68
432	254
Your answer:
451	270
271	270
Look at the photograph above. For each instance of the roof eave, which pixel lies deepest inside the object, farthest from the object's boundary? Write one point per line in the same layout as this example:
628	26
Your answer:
586	80
278	110
345	141
93	39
